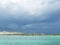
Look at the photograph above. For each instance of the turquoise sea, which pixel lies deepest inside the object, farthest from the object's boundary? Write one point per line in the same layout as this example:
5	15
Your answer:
29	40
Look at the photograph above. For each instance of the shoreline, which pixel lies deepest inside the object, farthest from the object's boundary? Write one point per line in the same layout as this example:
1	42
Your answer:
28	35
24	34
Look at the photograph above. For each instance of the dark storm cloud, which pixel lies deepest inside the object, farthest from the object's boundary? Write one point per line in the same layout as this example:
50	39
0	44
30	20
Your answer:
46	20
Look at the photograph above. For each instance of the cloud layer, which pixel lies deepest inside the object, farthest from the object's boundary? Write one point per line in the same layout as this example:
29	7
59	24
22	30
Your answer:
30	15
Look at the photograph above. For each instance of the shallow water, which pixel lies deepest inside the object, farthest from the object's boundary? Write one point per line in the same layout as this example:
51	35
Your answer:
29	40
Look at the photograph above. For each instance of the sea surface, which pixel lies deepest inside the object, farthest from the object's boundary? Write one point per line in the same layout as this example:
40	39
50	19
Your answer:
29	40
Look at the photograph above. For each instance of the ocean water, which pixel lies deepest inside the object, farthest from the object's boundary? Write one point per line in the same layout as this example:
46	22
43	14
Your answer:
29	40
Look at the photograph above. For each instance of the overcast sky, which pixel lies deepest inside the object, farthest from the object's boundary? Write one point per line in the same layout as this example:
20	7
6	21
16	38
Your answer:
40	16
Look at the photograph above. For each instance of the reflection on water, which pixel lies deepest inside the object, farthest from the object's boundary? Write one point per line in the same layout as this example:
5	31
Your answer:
29	40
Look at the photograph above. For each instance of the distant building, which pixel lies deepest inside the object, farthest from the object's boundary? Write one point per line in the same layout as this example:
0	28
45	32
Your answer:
42	33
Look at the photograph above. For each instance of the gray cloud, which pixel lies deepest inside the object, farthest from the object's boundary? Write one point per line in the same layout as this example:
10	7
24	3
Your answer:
45	19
